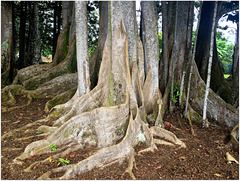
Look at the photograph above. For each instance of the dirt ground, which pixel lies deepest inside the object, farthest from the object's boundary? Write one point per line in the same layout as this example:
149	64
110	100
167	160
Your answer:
204	158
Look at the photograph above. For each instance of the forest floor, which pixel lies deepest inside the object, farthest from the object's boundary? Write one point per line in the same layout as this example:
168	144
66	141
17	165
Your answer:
204	158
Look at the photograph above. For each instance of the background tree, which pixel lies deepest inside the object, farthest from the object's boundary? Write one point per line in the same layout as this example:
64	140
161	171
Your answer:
205	121
6	42
218	83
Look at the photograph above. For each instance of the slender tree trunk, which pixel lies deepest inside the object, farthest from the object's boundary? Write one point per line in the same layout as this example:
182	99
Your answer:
55	27
235	71
66	12
31	34
6	43
37	36
209	67
82	48
57	24
14	48
191	63
96	58
165	39
23	16
188	52
151	52
172	96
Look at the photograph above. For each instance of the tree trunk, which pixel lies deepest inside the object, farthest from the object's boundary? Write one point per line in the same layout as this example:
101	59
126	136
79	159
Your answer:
37	36
205	122
151	52
66	12
165	38
96	58
22	44
6	43
218	83
82	48
235	71
191	64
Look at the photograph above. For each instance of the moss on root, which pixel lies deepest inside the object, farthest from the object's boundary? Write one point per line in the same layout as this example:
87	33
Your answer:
8	94
59	99
55	114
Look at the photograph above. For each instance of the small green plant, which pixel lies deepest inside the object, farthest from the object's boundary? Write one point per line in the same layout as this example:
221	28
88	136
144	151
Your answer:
62	161
53	147
38	132
176	92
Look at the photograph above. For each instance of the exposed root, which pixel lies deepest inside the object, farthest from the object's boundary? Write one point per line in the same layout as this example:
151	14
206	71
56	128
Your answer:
167	135
30	137
46	176
55	157
45	148
12	149
59	99
131	163
163	142
13	132
235	137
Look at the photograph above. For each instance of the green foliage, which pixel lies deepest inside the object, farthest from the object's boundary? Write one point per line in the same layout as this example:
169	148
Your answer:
38	132
160	41
63	161
53	147
93	26
225	51
176	92
226	76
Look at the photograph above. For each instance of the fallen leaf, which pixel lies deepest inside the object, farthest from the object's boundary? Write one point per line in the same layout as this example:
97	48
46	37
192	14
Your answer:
31	156
182	157
15	107
230	158
5	132
50	159
158	167
218	175
21	114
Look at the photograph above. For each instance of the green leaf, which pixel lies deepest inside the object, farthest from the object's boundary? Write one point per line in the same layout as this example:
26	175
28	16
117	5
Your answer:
59	163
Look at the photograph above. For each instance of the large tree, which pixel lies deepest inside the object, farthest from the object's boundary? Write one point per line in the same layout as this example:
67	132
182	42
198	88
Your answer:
218	83
113	116
6	42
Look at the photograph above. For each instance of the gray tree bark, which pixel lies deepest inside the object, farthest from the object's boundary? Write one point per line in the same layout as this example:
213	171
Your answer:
235	71
205	123
151	53
6	42
37	36
82	48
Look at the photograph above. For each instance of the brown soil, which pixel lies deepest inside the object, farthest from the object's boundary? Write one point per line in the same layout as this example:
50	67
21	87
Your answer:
204	157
